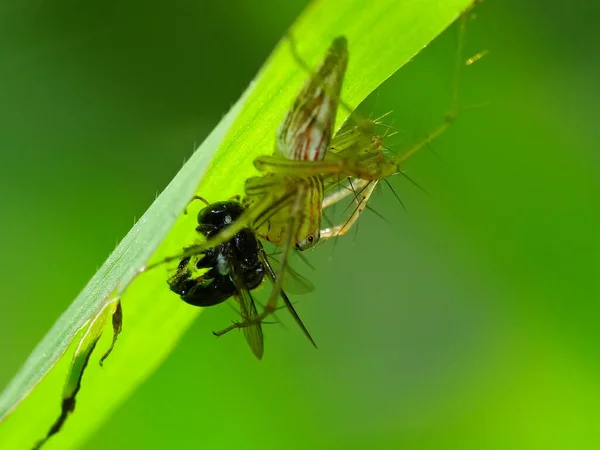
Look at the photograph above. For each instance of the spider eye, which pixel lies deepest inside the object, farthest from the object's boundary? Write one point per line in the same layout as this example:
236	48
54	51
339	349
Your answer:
310	239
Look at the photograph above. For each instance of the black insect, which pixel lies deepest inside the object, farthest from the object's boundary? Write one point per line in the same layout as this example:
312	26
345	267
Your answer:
237	258
232	269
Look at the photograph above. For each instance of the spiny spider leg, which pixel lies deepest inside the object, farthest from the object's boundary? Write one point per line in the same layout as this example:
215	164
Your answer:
450	117
343	228
286	300
259	211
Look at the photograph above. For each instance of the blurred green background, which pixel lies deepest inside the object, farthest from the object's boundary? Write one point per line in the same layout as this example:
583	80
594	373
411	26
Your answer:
468	322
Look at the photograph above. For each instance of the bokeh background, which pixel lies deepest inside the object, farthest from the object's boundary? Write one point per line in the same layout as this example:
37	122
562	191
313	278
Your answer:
468	322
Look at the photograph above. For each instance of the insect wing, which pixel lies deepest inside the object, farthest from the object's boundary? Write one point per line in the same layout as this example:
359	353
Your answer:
252	329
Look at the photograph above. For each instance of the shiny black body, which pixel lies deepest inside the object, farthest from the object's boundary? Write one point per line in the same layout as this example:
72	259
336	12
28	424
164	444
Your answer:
242	254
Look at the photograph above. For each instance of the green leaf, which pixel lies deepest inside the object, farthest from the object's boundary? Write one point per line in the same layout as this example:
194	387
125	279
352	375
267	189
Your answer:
382	37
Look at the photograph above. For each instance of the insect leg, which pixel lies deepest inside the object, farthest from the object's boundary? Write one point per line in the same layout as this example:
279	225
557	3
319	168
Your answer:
264	322
195	197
